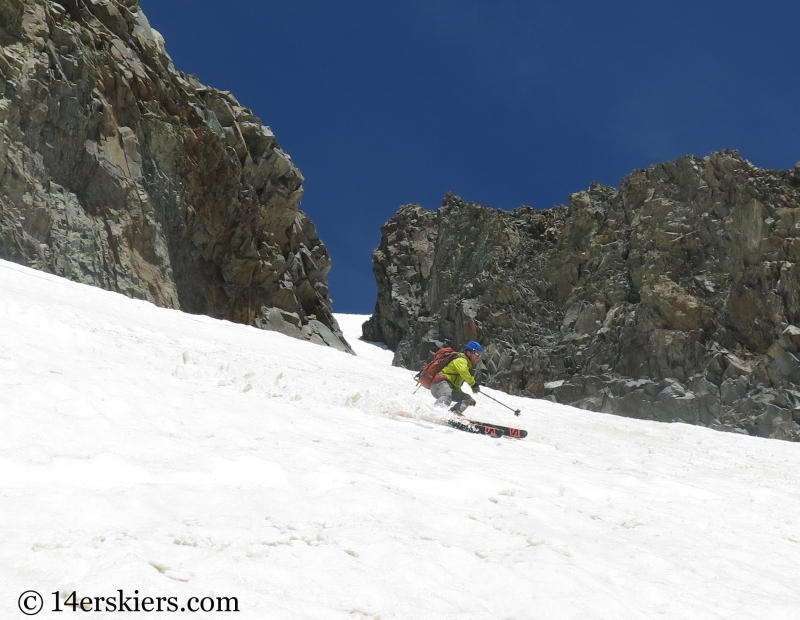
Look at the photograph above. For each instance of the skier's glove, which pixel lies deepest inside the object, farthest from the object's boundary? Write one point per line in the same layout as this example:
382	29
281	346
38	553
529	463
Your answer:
476	388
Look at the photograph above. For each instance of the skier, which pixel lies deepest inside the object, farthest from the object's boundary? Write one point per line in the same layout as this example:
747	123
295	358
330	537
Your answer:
446	385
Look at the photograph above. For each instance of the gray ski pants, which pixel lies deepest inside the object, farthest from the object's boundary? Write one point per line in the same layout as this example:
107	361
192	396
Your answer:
444	394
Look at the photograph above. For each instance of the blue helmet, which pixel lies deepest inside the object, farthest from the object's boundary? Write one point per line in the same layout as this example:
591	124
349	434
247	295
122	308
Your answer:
473	346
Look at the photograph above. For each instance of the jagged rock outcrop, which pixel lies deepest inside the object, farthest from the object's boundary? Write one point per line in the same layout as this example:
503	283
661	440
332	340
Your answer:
119	171
675	297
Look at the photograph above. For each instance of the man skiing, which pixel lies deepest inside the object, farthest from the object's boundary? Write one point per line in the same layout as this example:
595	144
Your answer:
446	385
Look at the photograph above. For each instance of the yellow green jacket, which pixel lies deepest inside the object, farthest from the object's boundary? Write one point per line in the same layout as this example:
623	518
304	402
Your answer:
458	372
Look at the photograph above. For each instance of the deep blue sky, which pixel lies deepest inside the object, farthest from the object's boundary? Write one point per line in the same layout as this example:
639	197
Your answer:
502	102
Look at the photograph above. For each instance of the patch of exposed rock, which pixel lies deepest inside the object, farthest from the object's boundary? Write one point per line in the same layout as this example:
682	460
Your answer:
674	298
119	171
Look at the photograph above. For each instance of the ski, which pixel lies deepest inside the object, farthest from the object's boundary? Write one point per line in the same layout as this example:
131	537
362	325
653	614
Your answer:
475	427
503	431
508	431
470	426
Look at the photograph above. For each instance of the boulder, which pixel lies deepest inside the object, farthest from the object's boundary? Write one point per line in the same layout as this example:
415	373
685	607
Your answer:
119	171
680	291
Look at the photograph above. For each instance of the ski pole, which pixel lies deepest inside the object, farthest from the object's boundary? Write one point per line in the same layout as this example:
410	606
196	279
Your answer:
516	411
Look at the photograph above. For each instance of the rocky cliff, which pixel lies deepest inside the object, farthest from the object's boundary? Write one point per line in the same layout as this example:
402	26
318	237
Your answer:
119	171
675	297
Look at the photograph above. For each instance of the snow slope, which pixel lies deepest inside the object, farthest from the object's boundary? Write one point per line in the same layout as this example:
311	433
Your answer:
147	450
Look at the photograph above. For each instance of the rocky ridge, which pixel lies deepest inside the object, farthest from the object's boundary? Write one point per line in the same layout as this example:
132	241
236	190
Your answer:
119	171
674	298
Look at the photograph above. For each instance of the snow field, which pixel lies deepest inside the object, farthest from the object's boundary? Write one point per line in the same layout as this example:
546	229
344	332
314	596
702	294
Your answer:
177	455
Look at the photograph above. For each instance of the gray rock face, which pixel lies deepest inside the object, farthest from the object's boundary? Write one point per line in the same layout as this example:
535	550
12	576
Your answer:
673	298
119	171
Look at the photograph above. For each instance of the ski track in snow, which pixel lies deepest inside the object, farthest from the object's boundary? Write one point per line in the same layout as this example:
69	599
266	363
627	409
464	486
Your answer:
146	449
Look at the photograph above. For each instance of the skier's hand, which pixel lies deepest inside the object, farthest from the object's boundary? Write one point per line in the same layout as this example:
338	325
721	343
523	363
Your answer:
476	388
472	402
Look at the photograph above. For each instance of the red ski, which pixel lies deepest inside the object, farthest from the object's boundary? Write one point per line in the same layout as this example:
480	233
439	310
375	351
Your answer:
469	426
508	431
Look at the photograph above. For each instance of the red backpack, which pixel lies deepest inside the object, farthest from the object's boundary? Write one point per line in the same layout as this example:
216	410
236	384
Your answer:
441	359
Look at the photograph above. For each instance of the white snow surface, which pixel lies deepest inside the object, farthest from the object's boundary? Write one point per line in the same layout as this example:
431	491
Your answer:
149	450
